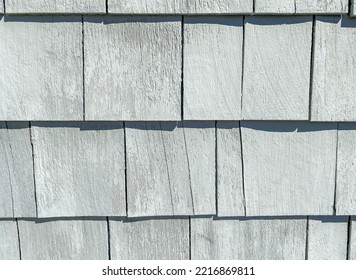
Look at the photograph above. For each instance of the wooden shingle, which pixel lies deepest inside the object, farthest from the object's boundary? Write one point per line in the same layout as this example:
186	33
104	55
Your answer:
9	242
322	6
274	7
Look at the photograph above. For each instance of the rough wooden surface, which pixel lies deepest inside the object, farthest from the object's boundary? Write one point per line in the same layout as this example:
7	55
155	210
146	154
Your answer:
79	169
327	238
41	73
133	68
322	6
353	8
229	170
352	246
271	239
65	239
289	168
55	6
149	239
346	170
170	168
212	68
334	83
9	245
180	6
1	7
274	7
276	68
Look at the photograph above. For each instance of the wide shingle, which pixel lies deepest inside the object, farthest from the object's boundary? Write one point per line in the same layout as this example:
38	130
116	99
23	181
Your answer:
334	83
41	73
289	168
274	7
55	6
149	239
230	194
16	164
276	68
245	239
79	169
170	168
9	241
132	68
322	6
327	238
212	68
65	239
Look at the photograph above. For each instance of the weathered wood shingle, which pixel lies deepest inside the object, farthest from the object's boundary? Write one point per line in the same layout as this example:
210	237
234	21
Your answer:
274	7
327	238
149	239
9	241
276	68
322	6
334	83
55	6
41	72
352	244
212	68
258	238
64	239
289	168
132	68
79	169
170	168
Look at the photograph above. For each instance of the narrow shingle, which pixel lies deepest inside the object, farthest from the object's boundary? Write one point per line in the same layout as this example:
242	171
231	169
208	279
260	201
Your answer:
9	245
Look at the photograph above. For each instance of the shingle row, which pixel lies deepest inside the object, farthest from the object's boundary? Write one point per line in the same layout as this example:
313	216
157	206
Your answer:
165	69
177	6
136	169
180	238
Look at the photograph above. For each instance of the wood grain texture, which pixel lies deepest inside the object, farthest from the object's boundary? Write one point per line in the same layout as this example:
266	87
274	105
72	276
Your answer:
170	168
245	239
334	83
327	238
289	168
352	245
55	6
1	7
149	239
346	170
212	68
9	242
229	170
79	169
41	73
322	6
180	6
64	239
133	68
276	68
274	7
353	8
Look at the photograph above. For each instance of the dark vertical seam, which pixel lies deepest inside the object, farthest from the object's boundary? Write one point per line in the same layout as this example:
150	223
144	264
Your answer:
295	6
336	161
348	246
18	238
125	171
243	172
190	238
9	172
182	69
109	237
307	240
106	7
216	171
253	6
350	7
4	6
243	60
33	168
188	164
83	65
311	68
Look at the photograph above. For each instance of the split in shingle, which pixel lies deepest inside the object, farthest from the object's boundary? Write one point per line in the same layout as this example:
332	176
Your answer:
9	245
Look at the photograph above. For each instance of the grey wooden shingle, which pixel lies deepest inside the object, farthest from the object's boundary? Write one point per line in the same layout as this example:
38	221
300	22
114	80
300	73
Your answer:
212	68
55	6
271	238
79	169
1	7
352	245
276	68
149	239
229	170
353	8
327	238
274	7
133	68
41	73
346	170
170	168
334	83
289	168
64	239
322	6
9	245
180	6
16	163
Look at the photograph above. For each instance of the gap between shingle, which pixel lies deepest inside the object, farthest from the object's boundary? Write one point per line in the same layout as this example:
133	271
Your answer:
348	246
243	172
125	171
336	160
106	7
216	170
182	69
18	238
311	68
4	4
33	168
9	172
190	238
243	59
307	240
253	6
109	238
83	64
